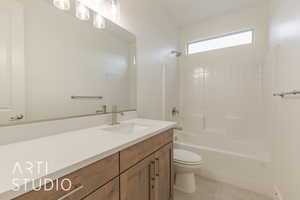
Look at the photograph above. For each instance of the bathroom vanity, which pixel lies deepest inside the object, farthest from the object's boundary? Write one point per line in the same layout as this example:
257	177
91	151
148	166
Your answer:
139	166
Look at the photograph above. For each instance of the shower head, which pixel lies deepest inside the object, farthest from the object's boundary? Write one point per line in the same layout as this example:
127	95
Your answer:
177	53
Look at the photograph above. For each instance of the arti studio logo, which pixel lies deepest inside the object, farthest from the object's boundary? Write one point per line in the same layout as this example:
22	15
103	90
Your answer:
27	174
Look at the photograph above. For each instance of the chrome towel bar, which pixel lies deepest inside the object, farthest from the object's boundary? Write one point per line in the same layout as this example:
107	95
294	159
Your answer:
86	97
284	94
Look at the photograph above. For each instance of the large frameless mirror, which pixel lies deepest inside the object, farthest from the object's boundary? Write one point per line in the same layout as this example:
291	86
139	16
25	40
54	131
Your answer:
63	58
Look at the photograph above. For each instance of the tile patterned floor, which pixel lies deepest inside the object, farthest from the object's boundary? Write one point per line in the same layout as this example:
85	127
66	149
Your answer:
213	190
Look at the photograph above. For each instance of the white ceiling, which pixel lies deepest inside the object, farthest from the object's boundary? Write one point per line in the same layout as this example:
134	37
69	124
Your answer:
186	12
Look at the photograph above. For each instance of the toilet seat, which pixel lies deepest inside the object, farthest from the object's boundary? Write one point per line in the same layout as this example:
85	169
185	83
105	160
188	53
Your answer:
187	157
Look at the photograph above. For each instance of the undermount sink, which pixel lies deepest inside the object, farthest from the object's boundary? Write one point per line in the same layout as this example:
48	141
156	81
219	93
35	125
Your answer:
128	128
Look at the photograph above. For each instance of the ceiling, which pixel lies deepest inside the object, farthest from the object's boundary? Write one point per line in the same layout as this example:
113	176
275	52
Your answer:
186	12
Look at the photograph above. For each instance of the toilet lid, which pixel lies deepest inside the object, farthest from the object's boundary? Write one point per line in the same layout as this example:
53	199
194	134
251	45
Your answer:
183	156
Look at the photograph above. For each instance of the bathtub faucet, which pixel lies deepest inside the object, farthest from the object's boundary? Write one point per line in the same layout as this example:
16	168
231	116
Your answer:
175	111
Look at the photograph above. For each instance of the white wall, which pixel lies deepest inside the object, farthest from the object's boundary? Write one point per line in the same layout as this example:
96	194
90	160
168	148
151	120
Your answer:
156	38
221	90
282	74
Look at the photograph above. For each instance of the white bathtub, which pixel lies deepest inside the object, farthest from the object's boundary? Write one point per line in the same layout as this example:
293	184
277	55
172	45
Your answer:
244	164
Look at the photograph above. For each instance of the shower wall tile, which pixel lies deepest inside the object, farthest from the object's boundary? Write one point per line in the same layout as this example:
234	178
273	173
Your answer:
221	90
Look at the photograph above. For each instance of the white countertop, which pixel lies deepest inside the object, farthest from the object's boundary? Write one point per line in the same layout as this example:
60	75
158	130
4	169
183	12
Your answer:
65	153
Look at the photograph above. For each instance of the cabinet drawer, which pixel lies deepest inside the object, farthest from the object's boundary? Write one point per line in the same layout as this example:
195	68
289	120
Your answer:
136	153
110	191
84	181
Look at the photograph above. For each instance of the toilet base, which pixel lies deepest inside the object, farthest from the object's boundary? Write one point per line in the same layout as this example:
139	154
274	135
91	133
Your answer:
185	182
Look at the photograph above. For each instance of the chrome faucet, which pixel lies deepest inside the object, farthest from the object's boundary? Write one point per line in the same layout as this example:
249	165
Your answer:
114	115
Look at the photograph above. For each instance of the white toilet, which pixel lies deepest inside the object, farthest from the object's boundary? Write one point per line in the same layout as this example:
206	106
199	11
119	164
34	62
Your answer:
185	163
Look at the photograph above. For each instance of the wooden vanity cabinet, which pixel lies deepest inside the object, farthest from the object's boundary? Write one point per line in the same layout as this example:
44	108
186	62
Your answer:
143	171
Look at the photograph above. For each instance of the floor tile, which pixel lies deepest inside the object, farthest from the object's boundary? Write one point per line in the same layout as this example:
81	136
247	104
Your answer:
212	190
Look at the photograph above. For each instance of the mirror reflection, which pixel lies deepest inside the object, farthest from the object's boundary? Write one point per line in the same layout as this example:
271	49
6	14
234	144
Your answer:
57	61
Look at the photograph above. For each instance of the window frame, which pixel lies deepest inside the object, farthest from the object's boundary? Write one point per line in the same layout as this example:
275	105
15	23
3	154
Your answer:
220	36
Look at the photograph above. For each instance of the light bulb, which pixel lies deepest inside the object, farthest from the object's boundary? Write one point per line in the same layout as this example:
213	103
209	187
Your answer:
82	12
62	4
115	10
99	21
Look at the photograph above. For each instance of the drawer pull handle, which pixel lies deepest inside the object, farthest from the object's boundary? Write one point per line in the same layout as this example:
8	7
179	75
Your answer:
72	192
157	166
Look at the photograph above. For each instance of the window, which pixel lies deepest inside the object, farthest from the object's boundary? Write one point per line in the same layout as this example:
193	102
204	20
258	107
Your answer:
230	40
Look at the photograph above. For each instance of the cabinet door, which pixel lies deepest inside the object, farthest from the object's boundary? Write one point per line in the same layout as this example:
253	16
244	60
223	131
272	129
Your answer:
110	191
164	173
138	183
